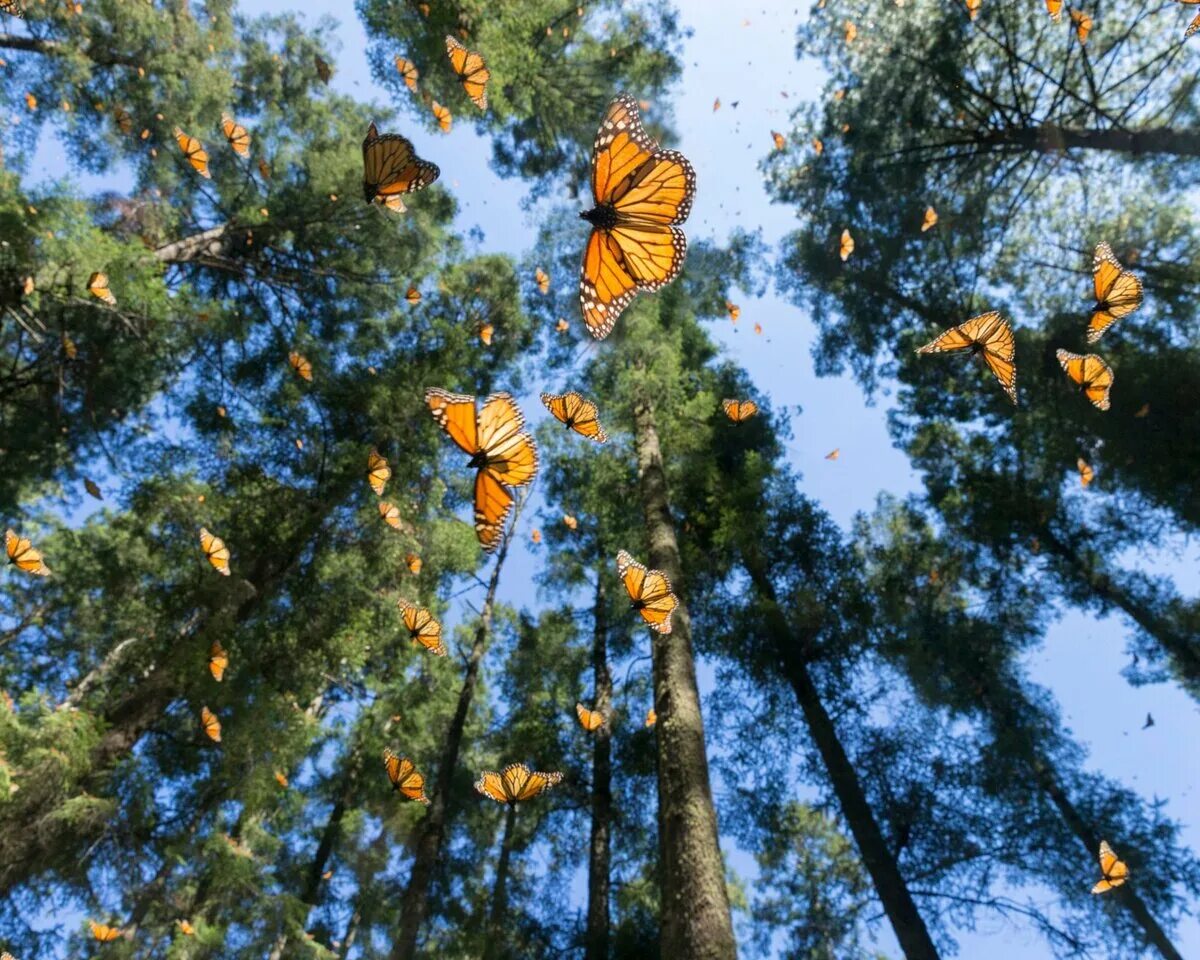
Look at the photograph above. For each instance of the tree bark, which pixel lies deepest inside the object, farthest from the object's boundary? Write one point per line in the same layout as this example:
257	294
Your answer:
206	243
695	920
494	942
428	844
600	850
1051	137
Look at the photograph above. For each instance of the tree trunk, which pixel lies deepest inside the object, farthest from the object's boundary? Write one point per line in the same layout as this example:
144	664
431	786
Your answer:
431	831
493	945
695	920
600	851
1049	137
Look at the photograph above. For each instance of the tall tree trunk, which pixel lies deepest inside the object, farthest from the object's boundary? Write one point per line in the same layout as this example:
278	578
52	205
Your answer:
600	851
696	924
494	943
432	829
1049	137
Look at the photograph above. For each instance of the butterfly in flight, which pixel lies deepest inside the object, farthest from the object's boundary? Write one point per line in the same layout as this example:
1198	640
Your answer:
215	551
22	555
641	196
1083	25
845	246
739	410
186	928
97	286
391	166
408	72
990	336
1086	473
103	932
779	139
210	725
471	71
1195	24
651	717
442	116
237	135
1114	871
590	720
930	220
1054	8
422	628
193	152
502	452
218	660
391	515
542	279
281	778
649	591
301	365
405	778
516	783
576	413
324	70
973	8
1118	292
1094	376
378	471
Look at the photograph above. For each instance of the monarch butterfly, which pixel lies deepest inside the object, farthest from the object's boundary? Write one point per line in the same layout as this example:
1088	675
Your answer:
218	661
1195	24
590	720
324	70
990	336
516	783
1118	292
413	562
1083	25
391	166
651	717
194	153
391	514
186	928
97	286
264	169
501	451
91	488
850	32
739	410
103	932
818	146
210	724
471	70
215	551
1115	872
1054	8
408	72
930	220
542	279
422	628
1086	473
535	535
1093	375
576	413
23	556
973	8
1143	411
393	204
405	779
12	7
237	135
641	194
442	116
301	365
281	779
780	140
834	453
485	334
562	326
845	246
570	522
413	296
758	328
124	120
650	591
30	101
378	471
733	310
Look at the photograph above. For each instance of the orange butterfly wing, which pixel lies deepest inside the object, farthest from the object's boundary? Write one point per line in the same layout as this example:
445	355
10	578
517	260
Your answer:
1091	373
237	135
405	778
210	724
215	551
576	413
1118	292
590	720
378	471
218	661
391	166
650	591
739	410
103	932
1114	871
991	336
23	556
193	152
472	71
423	628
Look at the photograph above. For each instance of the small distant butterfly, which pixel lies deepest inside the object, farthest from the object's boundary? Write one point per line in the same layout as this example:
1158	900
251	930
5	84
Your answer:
845	246
405	778
989	336
218	661
301	365
849	32
324	70
733	310
391	166
408	72
1083	25
471	70
97	286
1195	24
535	535
414	563
485	334
422	628
442	116
1143	411
590	720
570	522
780	140
413	296
739	410
1113	870
210	725
651	717
930	220
562	326
103	932
576	413
834	453
1094	376
1118	292
22	555
649	591
516	783
1054	8
973	8
237	135
193	152
1086	473
390	514
281	778
91	488
184	927
542	279
379	472
215	551
818	146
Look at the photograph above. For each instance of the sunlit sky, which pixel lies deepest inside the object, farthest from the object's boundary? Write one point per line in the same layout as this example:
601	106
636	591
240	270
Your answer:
744	53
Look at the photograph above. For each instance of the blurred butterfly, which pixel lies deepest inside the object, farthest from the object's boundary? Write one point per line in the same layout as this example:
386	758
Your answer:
576	413
562	326
590	720
535	535
300	364
1083	25
413	296
72	351
408	72
1143	411
780	140
739	410
516	783
1086	473
210	724
989	336
324	70
378	471
485	334
391	514
97	286
393	204
641	194
91	488
850	32
716	104
391	166
733	310
237	135
834	453
818	146
281	778
973	8
930	220
218	661
103	932
215	551
405	779
422	628
542	279
503	454
1118	292
13	8
22	555
1114	871
1054	8
442	116
184	927
264	169
124	120
758	328
651	717
472	72
30	101
1195	24
650	591
414	563
570	522
845	246
193	152
1094	376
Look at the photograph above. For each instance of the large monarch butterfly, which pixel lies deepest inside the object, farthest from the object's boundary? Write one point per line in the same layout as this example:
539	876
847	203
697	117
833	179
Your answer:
218	660
22	555
391	166
576	413
516	783
406	780
1094	376
443	116
210	725
237	135
1195	24
649	591
834	453
92	489
590	720
422	628
1114	871
408	72
641	194
215	551
1118	292
97	286
471	70
739	410
193	152
501	451
930	219
990	336
378	471
301	365
103	932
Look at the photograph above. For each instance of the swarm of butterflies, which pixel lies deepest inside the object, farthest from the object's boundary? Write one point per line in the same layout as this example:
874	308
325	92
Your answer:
642	194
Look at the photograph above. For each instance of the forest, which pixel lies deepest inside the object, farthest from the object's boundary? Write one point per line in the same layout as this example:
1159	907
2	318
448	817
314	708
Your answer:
382	587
